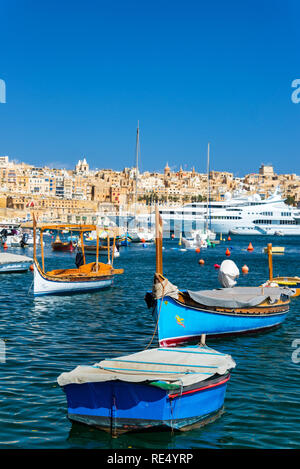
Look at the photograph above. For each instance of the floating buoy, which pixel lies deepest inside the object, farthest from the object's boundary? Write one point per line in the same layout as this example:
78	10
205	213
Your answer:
229	239
216	266
250	247
197	249
142	240
4	246
245	269
201	261
31	267
173	236
227	253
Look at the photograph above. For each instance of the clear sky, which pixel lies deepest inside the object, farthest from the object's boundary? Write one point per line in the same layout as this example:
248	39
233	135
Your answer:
80	74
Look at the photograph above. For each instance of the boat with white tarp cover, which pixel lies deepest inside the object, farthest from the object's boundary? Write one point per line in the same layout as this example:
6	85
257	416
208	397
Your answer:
14	263
175	388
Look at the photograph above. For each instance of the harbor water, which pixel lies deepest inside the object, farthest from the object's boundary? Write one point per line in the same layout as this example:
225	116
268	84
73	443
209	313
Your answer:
45	336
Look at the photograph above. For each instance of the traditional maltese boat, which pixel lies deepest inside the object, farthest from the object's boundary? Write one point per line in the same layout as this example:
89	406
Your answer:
59	245
85	277
292	283
176	389
183	316
14	263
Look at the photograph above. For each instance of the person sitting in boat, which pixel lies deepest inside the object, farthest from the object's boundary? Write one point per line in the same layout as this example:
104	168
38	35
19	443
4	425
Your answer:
79	261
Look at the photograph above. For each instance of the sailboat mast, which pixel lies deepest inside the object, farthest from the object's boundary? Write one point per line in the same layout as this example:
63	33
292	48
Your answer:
136	169
208	187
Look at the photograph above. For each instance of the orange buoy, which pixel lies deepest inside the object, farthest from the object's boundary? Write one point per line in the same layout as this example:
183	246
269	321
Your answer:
250	247
201	261
4	246
173	236
197	249
31	267
142	240
227	253
245	269
229	239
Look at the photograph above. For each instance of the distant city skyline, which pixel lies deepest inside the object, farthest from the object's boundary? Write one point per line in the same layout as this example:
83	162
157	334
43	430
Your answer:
79	76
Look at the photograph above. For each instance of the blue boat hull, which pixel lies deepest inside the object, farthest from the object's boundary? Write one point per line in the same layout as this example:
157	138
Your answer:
15	267
178	323
118	407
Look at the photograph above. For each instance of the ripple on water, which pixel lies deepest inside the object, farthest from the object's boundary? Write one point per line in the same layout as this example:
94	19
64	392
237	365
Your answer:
48	335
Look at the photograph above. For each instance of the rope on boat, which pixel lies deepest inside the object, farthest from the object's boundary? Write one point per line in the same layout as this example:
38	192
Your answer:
29	289
156	325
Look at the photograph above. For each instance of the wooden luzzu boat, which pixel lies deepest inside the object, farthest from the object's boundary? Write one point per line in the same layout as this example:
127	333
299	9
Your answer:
86	277
183	316
59	245
293	283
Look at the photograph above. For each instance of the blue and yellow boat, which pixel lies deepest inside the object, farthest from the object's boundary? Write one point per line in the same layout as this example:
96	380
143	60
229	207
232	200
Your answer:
183	316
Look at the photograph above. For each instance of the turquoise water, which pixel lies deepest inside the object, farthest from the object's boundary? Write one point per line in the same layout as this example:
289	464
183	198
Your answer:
45	336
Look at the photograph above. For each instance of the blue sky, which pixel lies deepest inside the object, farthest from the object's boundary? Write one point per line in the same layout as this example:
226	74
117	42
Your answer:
79	75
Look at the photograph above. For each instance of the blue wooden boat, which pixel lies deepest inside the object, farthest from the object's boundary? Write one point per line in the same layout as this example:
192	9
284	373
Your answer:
177	388
14	263
188	315
183	316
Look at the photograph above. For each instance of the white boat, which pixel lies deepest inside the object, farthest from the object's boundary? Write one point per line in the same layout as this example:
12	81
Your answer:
14	263
85	277
20	240
237	213
198	239
45	284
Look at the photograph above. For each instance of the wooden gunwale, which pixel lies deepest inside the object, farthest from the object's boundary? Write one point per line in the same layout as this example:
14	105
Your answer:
263	309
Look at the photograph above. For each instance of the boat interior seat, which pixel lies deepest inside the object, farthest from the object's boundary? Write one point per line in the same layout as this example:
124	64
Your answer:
82	270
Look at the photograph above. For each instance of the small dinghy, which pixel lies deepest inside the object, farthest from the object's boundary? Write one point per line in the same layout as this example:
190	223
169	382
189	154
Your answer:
14	263
178	389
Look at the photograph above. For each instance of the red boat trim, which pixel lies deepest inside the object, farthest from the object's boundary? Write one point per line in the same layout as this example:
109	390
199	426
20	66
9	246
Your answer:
174	341
201	389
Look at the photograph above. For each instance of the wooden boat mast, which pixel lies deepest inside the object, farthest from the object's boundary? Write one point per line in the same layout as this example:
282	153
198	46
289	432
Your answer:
97	248
136	171
82	246
158	236
208	188
270	261
34	236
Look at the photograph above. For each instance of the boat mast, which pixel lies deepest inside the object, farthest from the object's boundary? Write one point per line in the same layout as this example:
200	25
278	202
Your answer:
158	242
136	171
270	261
208	188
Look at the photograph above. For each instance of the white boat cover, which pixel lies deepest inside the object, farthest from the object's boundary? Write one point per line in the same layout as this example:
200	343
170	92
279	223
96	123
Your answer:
238	297
181	366
7	257
228	273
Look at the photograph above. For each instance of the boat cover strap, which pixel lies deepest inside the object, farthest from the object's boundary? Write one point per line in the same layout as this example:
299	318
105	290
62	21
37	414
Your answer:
181	366
238	297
